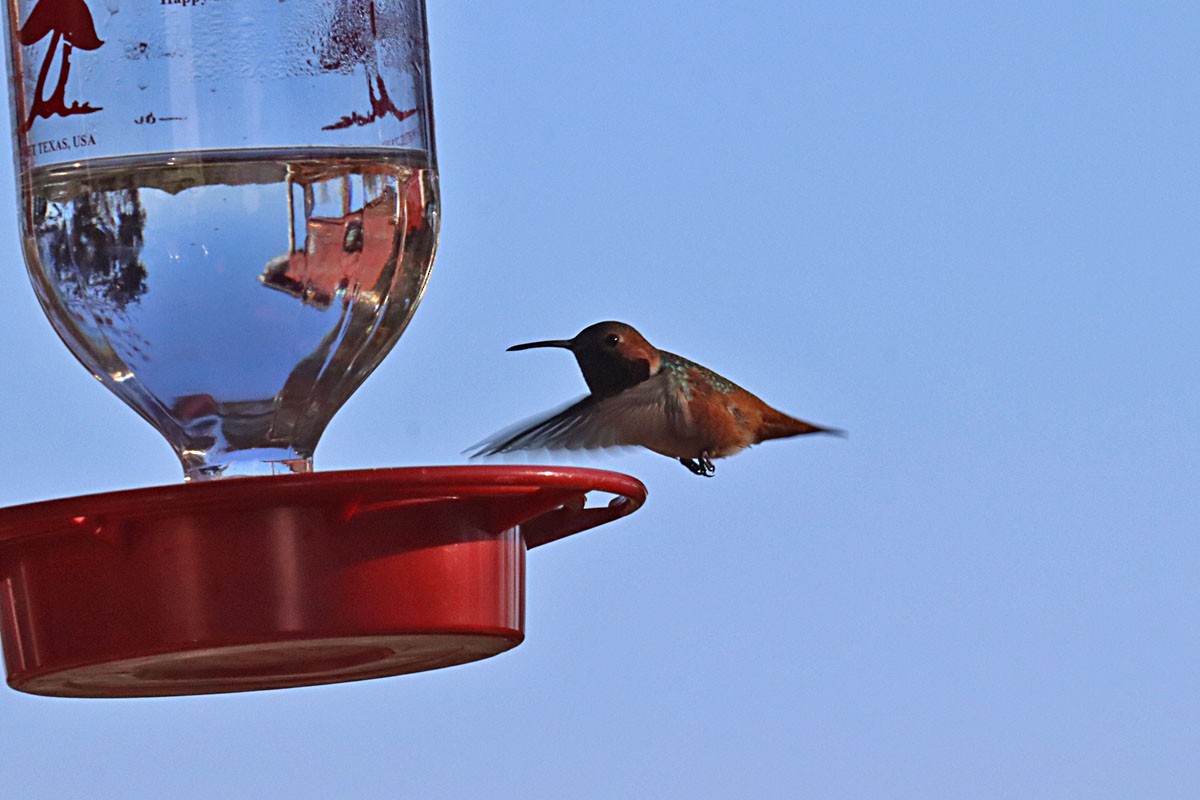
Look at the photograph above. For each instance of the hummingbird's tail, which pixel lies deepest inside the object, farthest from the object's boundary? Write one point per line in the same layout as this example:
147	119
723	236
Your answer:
777	425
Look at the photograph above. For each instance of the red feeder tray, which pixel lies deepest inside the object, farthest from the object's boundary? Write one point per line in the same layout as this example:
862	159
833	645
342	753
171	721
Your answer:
264	583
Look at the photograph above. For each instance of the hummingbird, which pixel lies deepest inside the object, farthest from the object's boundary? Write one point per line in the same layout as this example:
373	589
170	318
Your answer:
643	396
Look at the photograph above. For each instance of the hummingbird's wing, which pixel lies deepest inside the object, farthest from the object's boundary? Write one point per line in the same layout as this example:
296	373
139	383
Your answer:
632	417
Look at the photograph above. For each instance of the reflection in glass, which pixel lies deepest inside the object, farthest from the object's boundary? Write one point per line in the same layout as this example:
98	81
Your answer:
240	336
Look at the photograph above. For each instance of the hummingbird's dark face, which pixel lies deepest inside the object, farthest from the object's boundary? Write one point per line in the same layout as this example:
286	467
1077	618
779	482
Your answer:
612	356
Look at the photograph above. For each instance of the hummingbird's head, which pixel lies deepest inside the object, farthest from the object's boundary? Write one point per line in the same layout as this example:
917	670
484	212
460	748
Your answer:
612	356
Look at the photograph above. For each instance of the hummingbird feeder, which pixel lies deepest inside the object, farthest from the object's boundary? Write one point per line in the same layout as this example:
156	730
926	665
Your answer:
229	214
260	583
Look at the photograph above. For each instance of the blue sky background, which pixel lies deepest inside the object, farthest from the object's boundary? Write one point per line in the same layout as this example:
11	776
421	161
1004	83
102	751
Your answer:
965	232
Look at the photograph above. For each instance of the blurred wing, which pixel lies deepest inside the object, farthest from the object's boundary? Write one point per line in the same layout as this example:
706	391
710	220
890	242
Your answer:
633	417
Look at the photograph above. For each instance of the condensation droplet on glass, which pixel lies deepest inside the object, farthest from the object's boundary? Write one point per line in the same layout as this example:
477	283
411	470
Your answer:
113	6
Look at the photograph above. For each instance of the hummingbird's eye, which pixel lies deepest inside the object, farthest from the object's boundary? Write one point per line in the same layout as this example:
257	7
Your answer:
612	340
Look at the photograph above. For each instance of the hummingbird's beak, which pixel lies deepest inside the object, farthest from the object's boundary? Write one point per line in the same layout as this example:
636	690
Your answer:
566	343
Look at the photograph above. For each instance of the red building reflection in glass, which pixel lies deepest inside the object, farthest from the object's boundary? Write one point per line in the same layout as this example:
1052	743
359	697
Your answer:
346	256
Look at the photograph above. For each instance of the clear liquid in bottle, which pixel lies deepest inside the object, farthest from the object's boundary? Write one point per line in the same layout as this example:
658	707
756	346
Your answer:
234	299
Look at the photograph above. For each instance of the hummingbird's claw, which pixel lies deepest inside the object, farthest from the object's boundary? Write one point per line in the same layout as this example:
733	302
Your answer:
701	466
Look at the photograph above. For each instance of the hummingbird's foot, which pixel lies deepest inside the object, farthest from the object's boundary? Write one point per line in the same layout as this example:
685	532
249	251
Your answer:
701	466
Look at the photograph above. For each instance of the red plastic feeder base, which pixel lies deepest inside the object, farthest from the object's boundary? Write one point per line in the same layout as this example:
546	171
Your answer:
264	583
